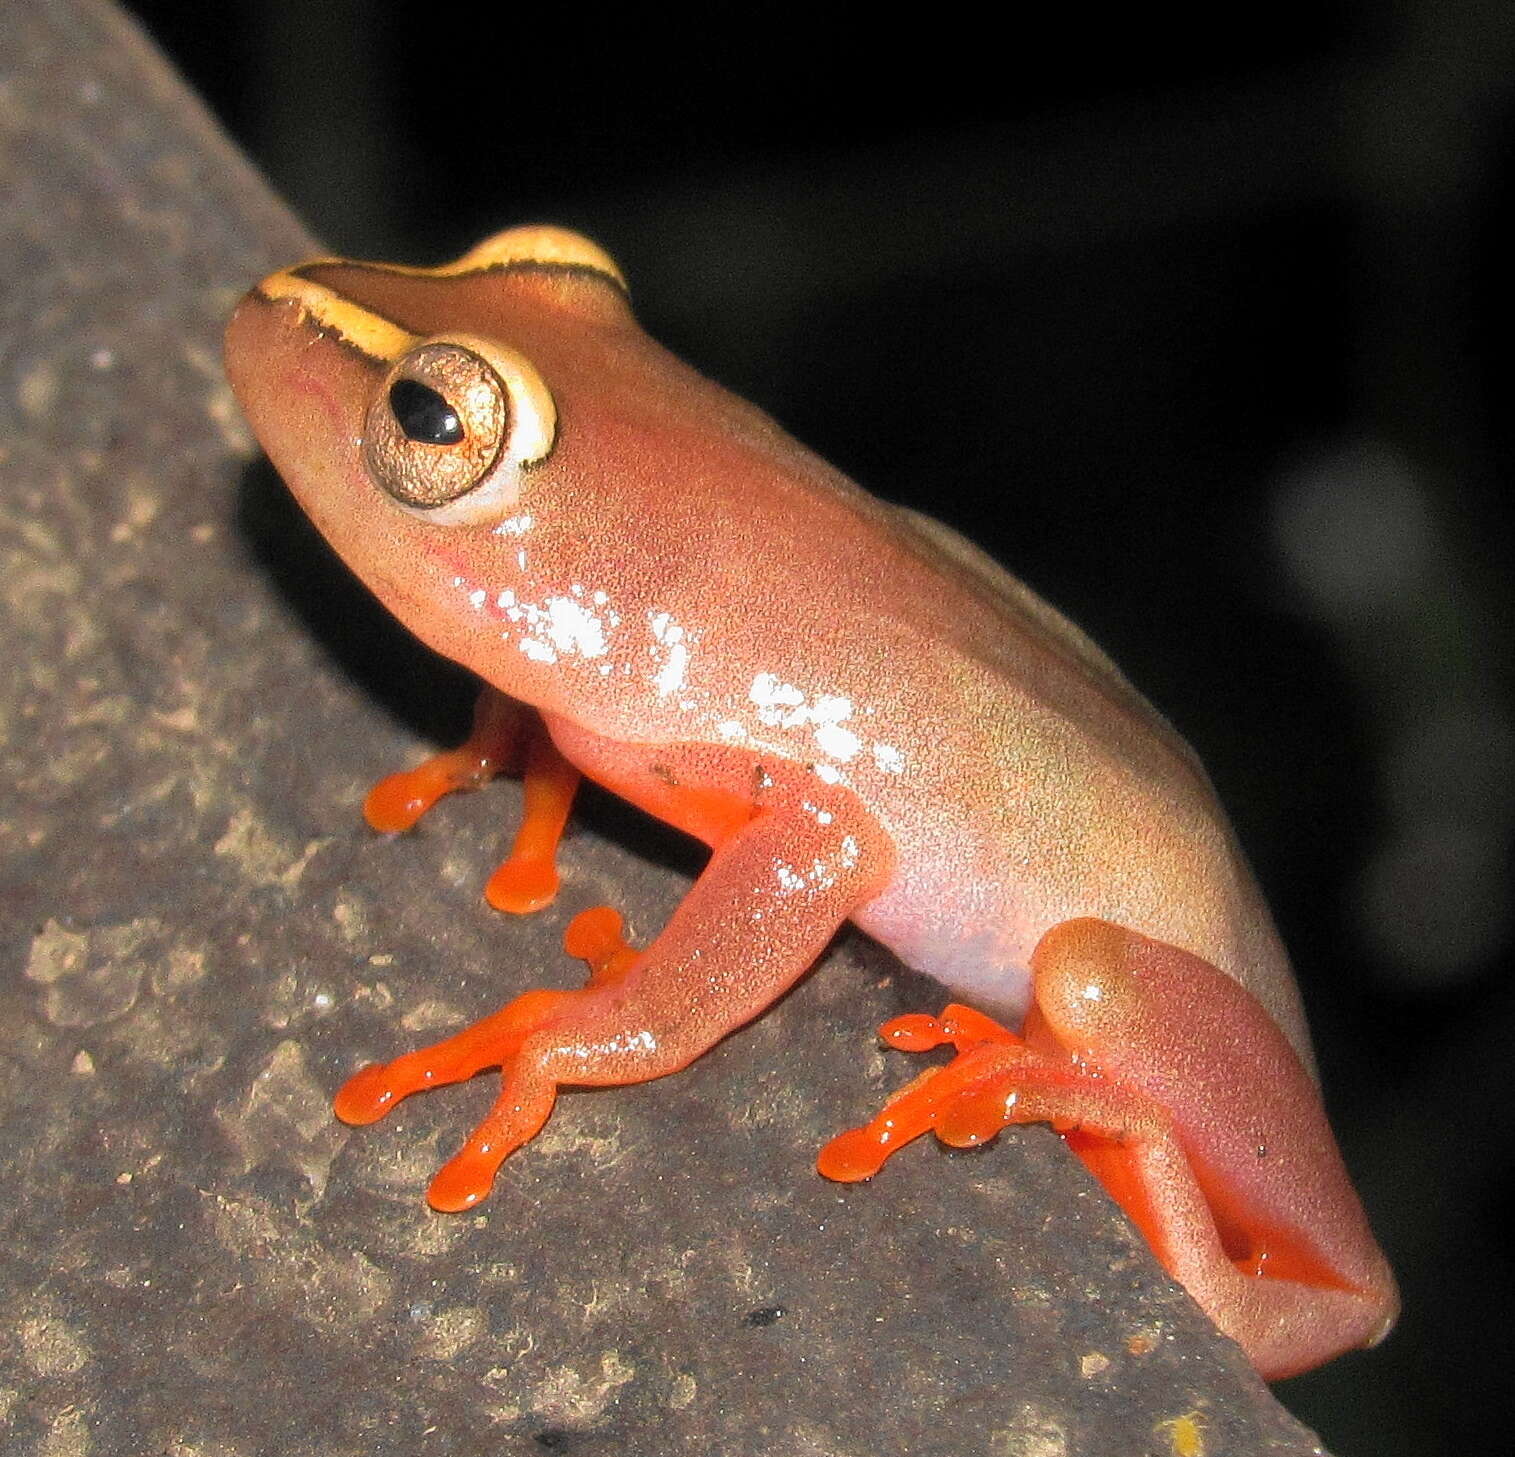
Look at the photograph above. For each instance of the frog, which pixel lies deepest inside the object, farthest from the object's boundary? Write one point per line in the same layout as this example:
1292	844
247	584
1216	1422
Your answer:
861	714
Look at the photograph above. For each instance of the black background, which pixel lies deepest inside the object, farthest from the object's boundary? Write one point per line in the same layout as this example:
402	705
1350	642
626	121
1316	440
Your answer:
1201	330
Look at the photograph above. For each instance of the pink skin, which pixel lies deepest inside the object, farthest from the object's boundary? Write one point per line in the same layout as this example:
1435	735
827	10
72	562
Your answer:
861	715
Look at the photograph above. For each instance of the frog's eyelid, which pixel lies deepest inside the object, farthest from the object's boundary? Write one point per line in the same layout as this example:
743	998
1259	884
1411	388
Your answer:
380	339
542	245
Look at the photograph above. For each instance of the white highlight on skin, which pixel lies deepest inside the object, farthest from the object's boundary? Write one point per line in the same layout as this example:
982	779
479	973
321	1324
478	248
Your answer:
823	873
837	742
642	1041
782	705
574	628
558	627
773	697
672	637
671	675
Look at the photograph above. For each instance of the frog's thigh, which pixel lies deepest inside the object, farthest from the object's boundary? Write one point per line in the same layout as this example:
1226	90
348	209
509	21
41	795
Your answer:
1174	1038
1113	1007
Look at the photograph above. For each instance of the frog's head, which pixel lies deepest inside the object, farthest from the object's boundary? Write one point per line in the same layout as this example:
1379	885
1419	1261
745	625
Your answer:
529	482
413	415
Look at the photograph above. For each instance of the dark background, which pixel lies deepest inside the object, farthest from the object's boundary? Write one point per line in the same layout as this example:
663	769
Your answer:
1201	331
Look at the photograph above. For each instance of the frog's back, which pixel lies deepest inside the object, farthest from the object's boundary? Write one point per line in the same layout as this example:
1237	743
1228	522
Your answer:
1052	790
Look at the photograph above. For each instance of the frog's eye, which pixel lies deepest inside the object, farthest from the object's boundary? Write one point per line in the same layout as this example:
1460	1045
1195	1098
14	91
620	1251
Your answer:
451	427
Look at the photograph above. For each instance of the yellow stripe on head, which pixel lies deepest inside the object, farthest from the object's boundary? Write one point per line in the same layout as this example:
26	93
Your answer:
373	334
538	243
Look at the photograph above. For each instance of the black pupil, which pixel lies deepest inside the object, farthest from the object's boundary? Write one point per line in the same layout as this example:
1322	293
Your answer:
423	414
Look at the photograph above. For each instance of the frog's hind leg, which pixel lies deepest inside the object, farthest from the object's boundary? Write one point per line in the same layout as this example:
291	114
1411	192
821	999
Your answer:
1265	1283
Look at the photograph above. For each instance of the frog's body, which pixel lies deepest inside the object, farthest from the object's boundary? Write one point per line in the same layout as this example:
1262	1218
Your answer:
859	712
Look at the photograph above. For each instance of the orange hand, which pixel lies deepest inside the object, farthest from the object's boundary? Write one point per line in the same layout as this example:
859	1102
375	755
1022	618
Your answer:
395	803
503	732
521	1110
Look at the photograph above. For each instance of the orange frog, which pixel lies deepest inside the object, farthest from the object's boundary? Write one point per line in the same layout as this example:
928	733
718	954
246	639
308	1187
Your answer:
859	712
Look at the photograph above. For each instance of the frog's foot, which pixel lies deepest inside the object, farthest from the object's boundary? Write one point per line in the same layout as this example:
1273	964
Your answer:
1124	1139
527	1095
399	800
994	1081
944	1099
505	734
997	1080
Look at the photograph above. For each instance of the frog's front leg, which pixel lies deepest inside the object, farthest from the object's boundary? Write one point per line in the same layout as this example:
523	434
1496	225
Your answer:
759	915
506	737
